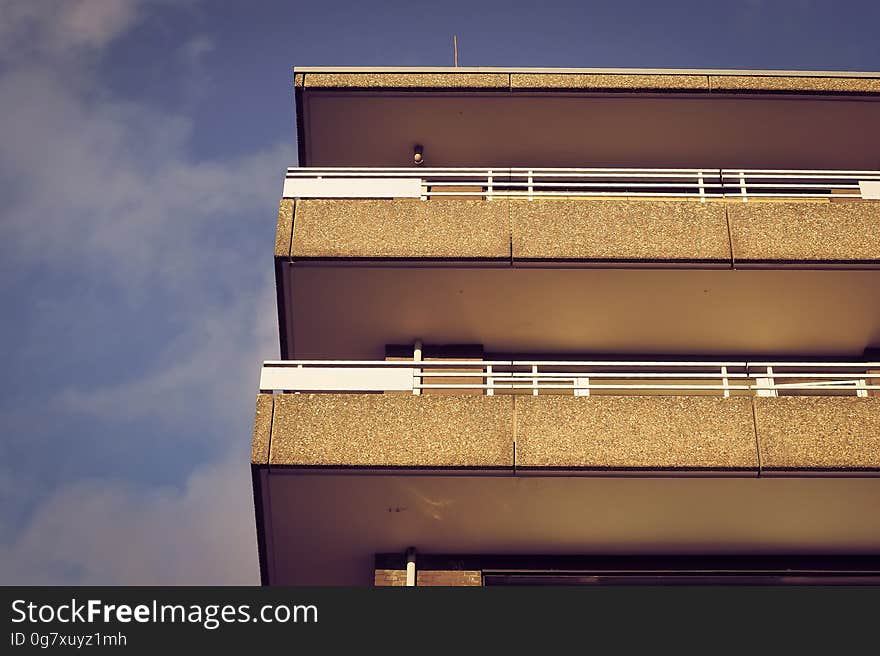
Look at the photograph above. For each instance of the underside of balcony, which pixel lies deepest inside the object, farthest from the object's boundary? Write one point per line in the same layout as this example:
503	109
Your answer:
504	117
323	528
553	310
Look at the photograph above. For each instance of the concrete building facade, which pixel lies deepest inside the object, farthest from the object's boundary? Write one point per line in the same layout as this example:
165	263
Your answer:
575	327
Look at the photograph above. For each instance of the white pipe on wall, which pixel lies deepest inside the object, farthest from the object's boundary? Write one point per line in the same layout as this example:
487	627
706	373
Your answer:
411	567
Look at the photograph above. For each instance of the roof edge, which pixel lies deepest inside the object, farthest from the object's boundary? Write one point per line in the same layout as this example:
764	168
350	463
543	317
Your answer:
609	71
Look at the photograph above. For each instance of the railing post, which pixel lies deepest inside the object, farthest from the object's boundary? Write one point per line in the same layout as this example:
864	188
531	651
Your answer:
489	381
765	384
534	380
872	381
581	386
417	372
424	195
725	382
299	366
869	189
742	187
531	185
862	387
702	186
489	186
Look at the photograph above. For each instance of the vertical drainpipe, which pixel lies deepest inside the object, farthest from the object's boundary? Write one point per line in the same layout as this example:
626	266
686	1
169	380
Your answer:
411	567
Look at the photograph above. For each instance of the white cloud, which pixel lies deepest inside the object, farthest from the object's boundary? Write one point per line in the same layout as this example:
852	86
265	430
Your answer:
216	360
112	187
109	194
109	532
102	179
57	27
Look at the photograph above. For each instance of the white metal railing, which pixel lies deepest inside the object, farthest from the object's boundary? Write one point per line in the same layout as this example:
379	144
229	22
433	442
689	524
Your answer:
814	378
580	378
767	183
490	183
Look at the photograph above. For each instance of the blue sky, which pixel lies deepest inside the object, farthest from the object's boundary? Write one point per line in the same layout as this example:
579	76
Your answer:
142	148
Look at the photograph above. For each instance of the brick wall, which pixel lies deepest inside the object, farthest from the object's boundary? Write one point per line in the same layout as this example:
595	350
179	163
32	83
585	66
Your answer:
397	577
449	577
392	577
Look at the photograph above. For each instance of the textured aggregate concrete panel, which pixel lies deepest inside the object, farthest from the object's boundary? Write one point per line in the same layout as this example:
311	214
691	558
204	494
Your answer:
402	228
802	435
284	227
608	82
794	84
619	230
262	430
407	80
636	433
389	430
795	231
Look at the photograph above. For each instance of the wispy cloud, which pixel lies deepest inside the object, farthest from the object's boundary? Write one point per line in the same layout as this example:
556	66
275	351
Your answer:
204	378
114	183
110	531
58	27
106	199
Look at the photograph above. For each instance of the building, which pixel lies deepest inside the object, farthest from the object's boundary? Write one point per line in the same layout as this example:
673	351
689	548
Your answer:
575	326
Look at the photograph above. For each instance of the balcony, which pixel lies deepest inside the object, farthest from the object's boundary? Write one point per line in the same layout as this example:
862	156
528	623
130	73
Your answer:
547	245
740	418
587	216
563	457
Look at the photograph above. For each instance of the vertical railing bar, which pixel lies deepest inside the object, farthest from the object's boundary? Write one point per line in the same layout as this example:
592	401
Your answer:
534	380
766	384
490	381
417	371
581	385
702	185
742	186
531	185
489	186
725	381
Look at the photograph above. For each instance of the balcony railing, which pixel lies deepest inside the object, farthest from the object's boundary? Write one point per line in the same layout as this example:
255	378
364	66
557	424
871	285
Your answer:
489	184
578	378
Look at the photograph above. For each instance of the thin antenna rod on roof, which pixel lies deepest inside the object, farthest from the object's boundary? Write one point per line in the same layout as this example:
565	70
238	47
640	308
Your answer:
455	50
